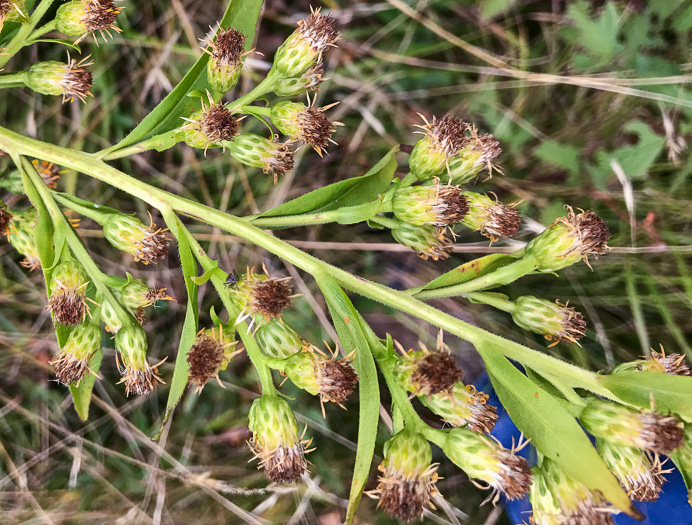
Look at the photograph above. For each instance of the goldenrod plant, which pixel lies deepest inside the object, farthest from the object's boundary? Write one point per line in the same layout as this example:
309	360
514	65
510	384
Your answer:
639	413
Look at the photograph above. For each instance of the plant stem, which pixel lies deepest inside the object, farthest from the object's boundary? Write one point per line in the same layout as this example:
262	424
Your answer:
38	33
11	80
258	111
493	300
261	89
156	142
384	221
82	210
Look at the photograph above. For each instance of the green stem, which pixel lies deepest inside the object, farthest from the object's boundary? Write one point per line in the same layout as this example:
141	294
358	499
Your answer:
11	80
504	275
408	180
47	28
82	210
384	221
22	36
156	142
542	363
493	300
261	89
296	220
258	111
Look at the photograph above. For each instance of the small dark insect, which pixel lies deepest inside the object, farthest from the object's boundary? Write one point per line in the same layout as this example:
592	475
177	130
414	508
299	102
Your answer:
232	279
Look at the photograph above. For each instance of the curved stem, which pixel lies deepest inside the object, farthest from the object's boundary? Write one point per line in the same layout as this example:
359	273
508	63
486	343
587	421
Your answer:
38	33
493	300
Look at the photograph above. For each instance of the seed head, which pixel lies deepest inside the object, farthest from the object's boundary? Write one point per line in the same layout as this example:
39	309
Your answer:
68	286
139	377
427	373
129	234
484	459
441	141
477	153
628	427
275	440
639	475
569	240
210	354
72	363
275	158
435	205
426	240
294	86
463	406
71	80
21	237
407	483
84	17
555	321
49	172
278	339
12	11
312	370
227	50
262	295
304	123
490	217
209	127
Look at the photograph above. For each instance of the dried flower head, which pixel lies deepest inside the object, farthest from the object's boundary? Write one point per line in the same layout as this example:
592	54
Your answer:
275	158
569	240
12	11
557	322
49	172
478	153
464	406
426	373
71	80
317	373
209	127
628	427
263	295
226	49
72	363
275	440
490	217
486	460
210	354
436	205
441	141
139	377
639	474
147	244
306	124
427	240
407	483
68	286
294	86
84	17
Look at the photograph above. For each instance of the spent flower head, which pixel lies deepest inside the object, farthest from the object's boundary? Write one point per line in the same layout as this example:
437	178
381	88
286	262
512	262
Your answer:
441	141
640	473
569	240
262	295
85	17
275	440
426	373
226	50
408	477
72	362
306	124
464	406
490	217
624	426
209	127
556	322
139	377
294	86
278	339
275	158
478	153
70	80
674	364
428	241
210	354
68	285
436	205
147	244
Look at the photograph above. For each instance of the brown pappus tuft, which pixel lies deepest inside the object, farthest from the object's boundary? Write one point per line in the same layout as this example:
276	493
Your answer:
69	368
453	206
515	476
218	123
269	297
5	220
76	80
68	305
439	250
661	434
140	382
337	380
405	498
319	31
673	364
573	326
503	221
447	133
228	47
283	464
316	129
153	247
157	294
436	372
592	232
100	16
280	162
484	415
204	359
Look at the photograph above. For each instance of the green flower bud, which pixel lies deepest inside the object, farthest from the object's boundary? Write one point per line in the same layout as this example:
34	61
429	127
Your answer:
139	377
477	153
70	80
278	339
68	285
210	354
129	234
426	240
555	321
303	123
333	379
546	509
262	295
464	406
490	217
294	86
628	427
407	483
209	127
639	477
673	364
252	150
435	205
426	373
111	318
83	17
72	363
569	240
275	440
482	458
21	237
12	182
304	48
136	294
226	62
443	139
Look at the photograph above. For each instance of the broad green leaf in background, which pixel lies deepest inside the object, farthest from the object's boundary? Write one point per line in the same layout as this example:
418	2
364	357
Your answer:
638	158
598	35
562	155
473	269
551	429
352	335
349	192
490	8
240	14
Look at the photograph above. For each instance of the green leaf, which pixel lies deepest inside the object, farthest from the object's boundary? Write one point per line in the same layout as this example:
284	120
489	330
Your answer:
199	281
686	472
67	43
473	269
551	429
637	159
598	36
352	333
240	14
81	395
670	393
562	155
188	336
350	192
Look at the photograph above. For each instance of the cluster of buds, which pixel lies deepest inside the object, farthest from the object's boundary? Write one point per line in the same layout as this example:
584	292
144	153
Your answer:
555	321
147	244
276	441
69	79
278	339
428	241
209	127
72	363
12	11
139	377
211	353
68	287
262	296
659	362
226	51
306	124
319	374
434	205
82	18
490	217
408	476
273	157
569	240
